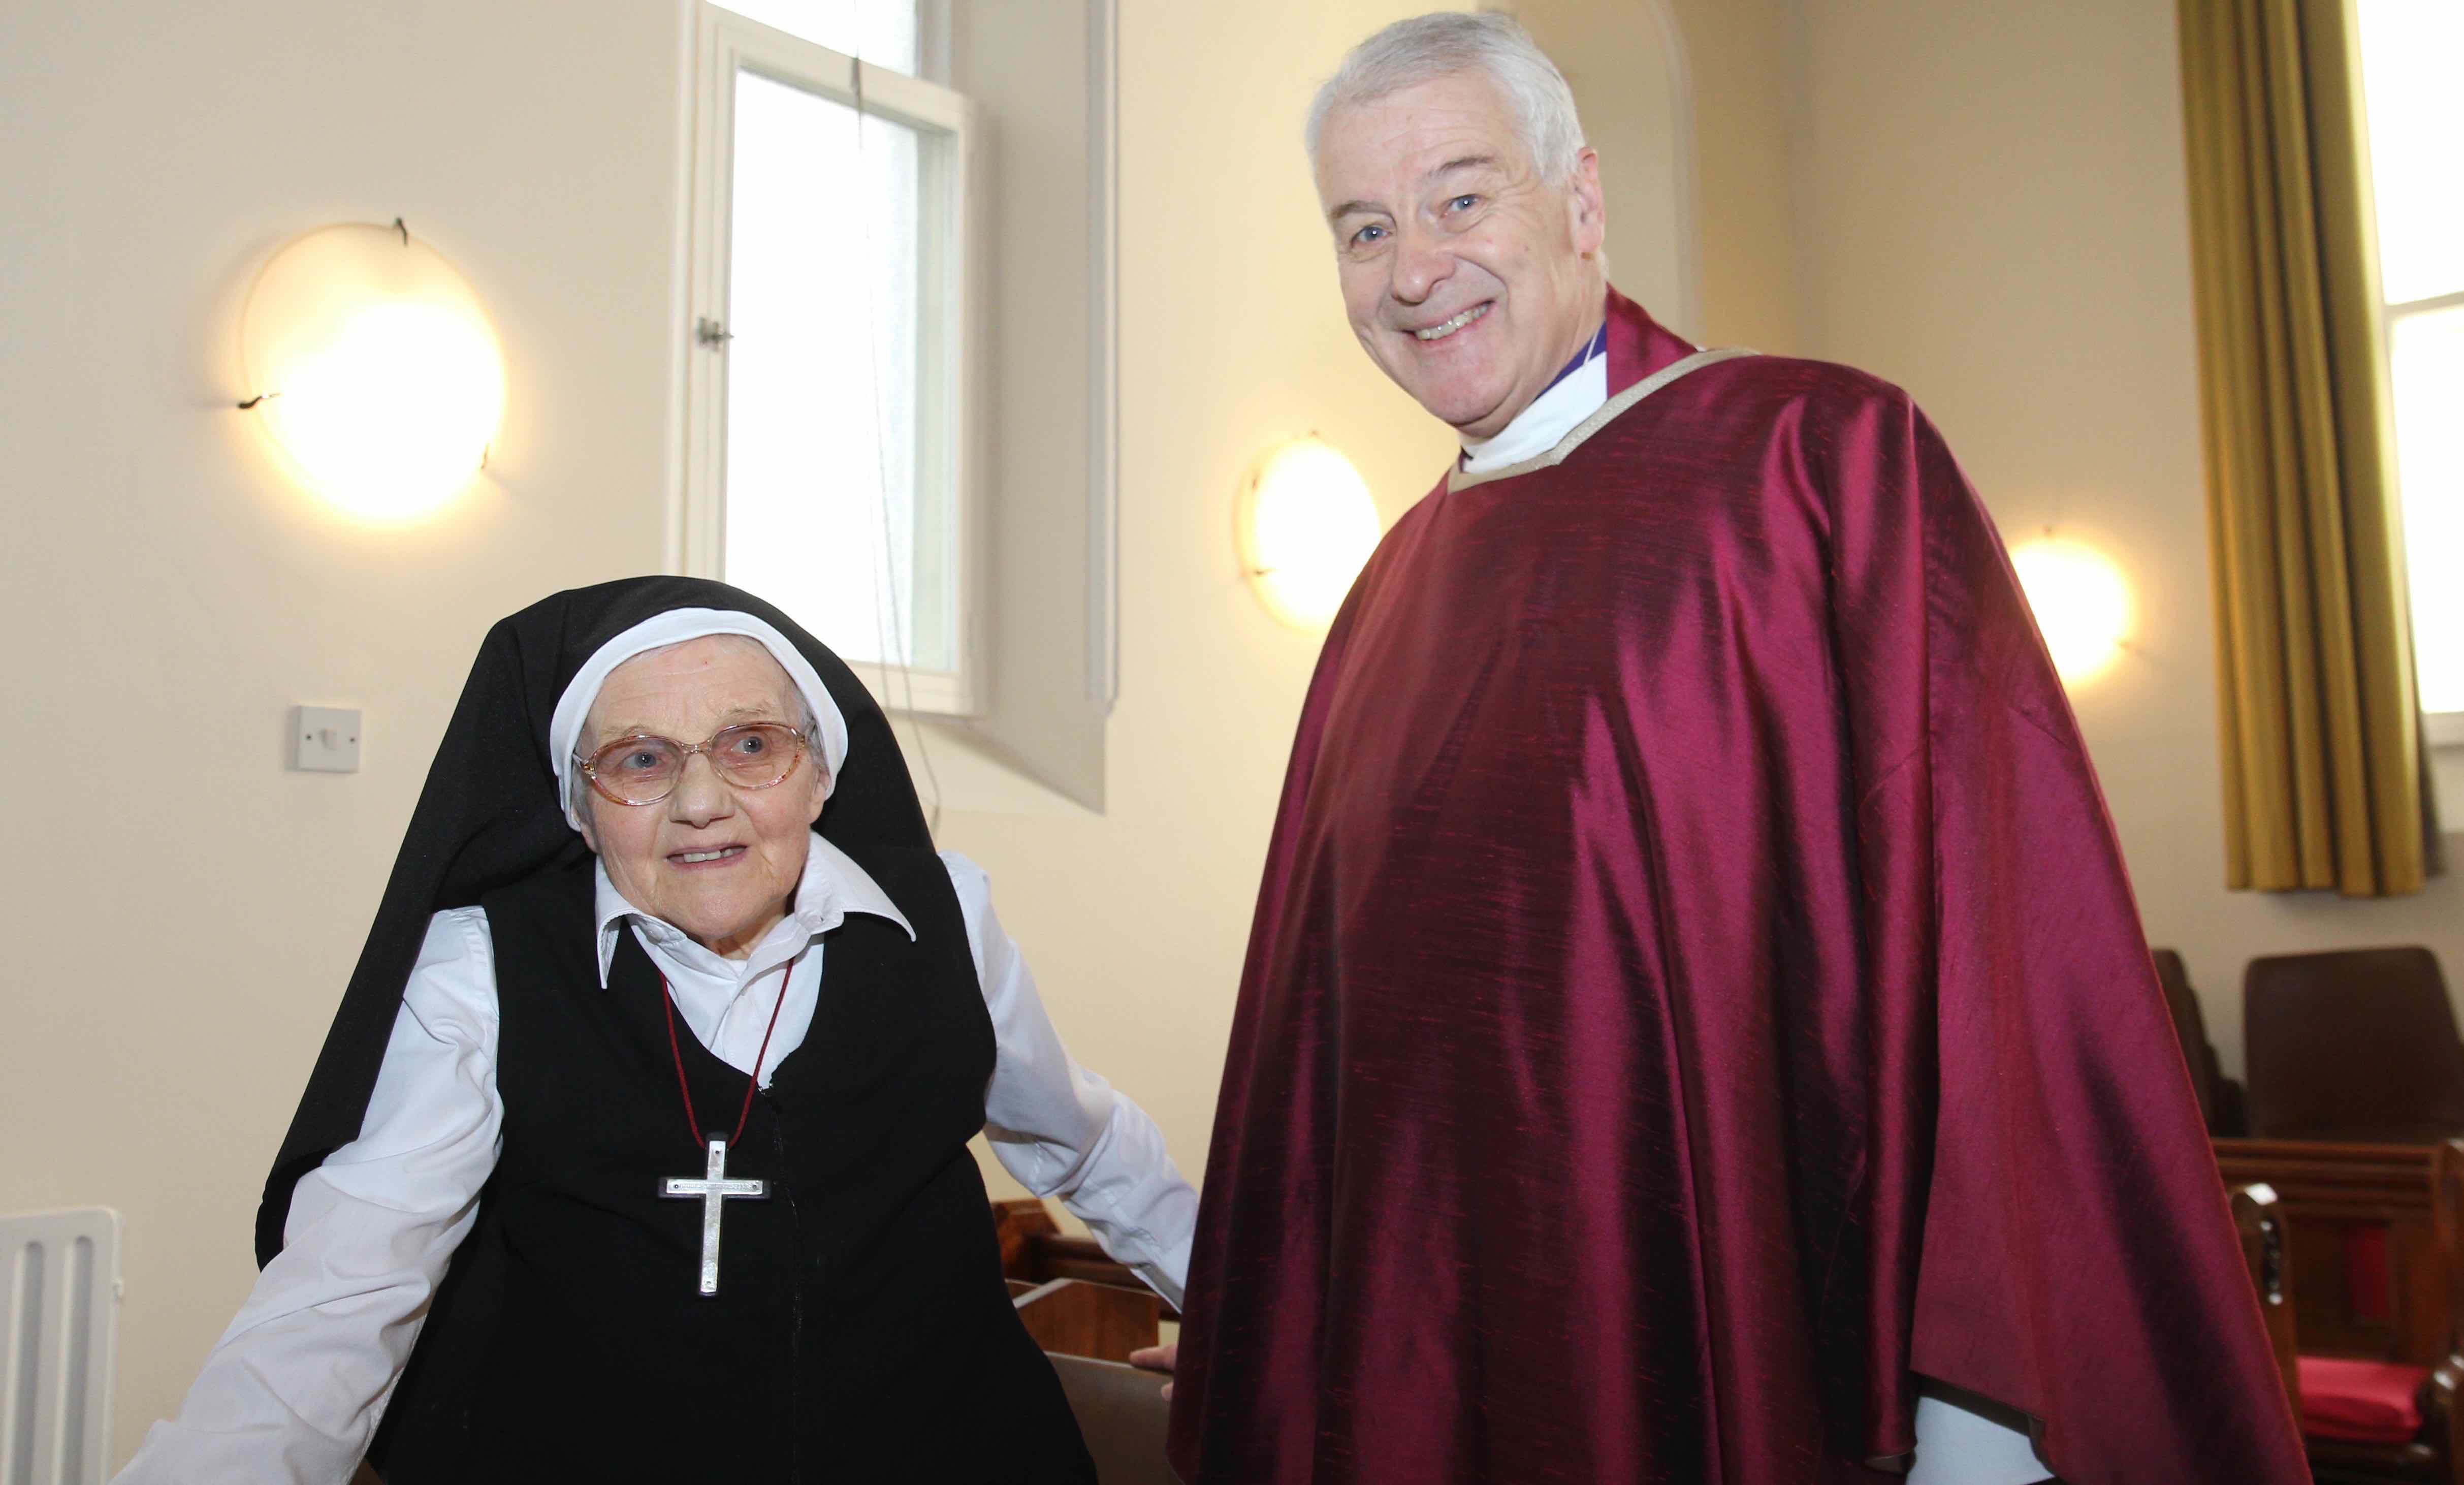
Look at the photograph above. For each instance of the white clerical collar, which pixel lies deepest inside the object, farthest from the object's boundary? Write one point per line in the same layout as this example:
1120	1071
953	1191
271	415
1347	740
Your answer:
1573	397
832	887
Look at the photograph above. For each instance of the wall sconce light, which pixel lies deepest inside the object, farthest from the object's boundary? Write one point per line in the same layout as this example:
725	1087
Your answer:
2082	604
1306	524
372	365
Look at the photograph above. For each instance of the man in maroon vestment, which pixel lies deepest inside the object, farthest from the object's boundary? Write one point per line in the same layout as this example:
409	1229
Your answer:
1696	1025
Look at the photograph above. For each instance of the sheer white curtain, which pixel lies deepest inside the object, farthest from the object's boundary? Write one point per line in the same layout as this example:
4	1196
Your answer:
2412	52
823	372
837	504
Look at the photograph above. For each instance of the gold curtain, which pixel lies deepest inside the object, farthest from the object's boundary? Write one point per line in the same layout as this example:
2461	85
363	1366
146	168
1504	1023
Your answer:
2323	750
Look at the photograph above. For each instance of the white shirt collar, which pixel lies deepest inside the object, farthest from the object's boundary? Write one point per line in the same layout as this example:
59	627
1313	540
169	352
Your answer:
832	887
1540	427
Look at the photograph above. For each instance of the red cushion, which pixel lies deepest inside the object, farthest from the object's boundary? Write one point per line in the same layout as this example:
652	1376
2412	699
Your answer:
2361	1401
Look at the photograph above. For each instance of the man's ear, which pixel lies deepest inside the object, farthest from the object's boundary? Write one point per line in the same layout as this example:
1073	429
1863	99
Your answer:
1588	207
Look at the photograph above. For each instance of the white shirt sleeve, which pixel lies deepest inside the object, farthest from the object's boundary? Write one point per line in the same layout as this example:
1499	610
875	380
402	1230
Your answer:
1958	1446
294	1389
1062	1130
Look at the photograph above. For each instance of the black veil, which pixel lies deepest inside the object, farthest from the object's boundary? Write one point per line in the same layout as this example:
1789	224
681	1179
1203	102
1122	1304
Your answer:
488	817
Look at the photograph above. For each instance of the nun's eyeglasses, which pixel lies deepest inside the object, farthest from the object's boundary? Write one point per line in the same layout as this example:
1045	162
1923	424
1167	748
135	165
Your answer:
643	770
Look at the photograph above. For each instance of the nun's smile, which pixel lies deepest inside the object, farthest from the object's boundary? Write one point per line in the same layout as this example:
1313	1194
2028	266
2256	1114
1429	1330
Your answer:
718	861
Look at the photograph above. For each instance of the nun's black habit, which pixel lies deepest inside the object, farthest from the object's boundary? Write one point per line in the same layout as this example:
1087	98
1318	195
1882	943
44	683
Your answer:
864	1331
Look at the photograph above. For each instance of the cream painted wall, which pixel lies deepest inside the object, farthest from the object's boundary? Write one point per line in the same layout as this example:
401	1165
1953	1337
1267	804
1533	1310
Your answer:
182	912
1745	58
1996	218
1630	85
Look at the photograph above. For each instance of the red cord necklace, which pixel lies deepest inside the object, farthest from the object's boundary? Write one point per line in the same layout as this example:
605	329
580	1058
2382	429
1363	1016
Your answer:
751	1079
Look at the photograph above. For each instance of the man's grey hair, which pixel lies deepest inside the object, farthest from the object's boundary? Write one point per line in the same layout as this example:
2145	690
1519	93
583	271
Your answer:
1428	47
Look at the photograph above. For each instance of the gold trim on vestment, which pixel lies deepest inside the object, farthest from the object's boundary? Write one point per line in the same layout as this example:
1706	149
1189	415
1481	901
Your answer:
1458	479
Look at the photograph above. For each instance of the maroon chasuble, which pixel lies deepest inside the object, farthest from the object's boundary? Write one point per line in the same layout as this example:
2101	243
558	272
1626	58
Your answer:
1695	987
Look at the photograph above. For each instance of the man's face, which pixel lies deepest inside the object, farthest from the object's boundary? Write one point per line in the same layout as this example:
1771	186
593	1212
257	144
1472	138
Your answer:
1468	279
720	862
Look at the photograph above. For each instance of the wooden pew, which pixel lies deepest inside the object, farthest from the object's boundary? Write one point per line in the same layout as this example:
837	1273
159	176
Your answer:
2258	1219
1034	1249
2371	1267
2362	1235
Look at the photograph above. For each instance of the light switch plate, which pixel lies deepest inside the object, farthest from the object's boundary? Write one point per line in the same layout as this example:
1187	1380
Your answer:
325	739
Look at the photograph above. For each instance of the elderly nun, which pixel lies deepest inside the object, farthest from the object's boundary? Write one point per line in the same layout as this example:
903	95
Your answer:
638	1148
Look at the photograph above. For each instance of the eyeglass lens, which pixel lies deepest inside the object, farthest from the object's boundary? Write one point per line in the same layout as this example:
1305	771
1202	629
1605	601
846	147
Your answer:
644	770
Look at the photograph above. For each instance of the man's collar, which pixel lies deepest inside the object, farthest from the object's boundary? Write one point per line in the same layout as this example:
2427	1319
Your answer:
832	887
1577	388
1596	345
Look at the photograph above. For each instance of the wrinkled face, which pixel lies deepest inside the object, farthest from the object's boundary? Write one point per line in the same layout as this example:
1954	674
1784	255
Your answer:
1468	279
720	862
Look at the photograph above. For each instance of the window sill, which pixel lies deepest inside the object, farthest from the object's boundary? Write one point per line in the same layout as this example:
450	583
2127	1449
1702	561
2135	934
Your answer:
934	694
2445	731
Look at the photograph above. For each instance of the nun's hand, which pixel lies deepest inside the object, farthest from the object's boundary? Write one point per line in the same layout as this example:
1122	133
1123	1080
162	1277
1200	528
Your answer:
1162	1357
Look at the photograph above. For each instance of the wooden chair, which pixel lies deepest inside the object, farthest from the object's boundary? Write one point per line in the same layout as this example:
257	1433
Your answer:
1088	1313
1034	1249
1071	1317
1122	1413
2374	1345
2355	1043
2221	1101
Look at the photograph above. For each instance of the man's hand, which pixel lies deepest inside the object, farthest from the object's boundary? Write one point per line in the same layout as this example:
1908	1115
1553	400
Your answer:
1162	1357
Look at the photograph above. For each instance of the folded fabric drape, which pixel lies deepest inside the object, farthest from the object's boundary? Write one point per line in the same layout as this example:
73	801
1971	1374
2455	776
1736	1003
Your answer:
2323	762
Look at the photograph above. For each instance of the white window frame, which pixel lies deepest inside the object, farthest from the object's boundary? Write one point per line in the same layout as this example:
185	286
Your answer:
2443	729
949	302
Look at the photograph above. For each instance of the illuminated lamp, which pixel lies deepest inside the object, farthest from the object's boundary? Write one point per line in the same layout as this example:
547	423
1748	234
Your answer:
1306	524
2081	604
372	366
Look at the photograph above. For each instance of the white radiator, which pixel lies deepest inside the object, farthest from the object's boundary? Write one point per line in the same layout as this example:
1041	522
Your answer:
59	1295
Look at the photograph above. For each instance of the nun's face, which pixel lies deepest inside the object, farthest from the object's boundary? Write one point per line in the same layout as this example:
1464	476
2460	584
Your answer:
720	862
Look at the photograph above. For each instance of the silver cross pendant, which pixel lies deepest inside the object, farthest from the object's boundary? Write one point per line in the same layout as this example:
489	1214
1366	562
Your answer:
712	1189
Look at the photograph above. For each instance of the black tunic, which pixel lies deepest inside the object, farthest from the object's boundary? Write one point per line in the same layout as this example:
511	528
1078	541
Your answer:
861	1330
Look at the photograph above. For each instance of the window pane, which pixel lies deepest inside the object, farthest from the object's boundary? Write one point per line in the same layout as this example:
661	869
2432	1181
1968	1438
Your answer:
823	503
879	31
2412	53
2428	352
